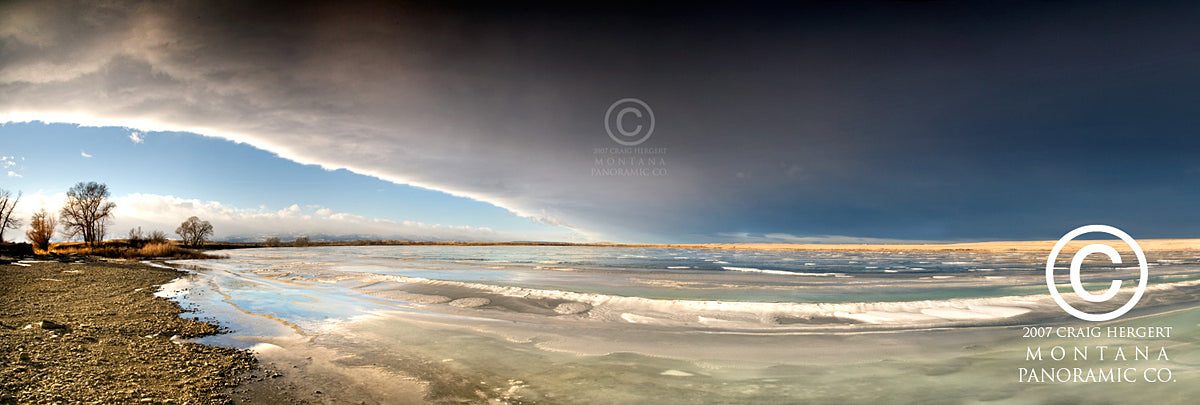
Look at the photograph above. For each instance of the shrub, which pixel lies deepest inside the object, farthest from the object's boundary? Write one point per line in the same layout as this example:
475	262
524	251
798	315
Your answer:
15	249
41	230
136	238
157	237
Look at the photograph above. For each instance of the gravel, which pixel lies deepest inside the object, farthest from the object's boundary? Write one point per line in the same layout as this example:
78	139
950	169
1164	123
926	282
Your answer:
95	333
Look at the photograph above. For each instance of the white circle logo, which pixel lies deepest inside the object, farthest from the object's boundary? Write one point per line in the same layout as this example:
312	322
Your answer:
1077	261
630	131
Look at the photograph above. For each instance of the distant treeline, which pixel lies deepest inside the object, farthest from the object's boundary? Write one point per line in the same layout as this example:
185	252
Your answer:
303	242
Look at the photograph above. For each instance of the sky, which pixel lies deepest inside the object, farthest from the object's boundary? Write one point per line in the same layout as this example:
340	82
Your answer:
821	122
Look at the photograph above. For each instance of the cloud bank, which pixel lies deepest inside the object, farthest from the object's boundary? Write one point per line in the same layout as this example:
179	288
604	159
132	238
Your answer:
909	121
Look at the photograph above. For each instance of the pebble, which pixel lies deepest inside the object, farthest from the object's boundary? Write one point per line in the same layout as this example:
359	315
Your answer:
93	350
51	325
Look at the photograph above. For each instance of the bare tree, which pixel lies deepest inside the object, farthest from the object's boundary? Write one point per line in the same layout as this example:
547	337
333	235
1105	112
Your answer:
41	230
87	212
194	231
272	242
300	242
7	205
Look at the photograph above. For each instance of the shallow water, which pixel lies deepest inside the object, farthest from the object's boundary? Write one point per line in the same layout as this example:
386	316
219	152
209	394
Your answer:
622	325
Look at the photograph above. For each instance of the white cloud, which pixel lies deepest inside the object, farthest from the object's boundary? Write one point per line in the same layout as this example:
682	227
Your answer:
34	202
165	213
152	211
84	154
10	162
136	137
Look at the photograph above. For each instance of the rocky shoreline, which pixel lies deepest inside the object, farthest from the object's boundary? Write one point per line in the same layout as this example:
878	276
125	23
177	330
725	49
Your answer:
93	332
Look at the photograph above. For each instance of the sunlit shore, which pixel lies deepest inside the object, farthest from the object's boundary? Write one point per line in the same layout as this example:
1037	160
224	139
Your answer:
999	246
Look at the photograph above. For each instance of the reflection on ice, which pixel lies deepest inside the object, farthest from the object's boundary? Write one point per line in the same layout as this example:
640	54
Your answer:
601	325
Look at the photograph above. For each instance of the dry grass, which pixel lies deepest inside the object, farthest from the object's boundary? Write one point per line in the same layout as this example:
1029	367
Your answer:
119	250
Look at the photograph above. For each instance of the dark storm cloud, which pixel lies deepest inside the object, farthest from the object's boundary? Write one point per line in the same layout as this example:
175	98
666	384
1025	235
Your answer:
888	120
